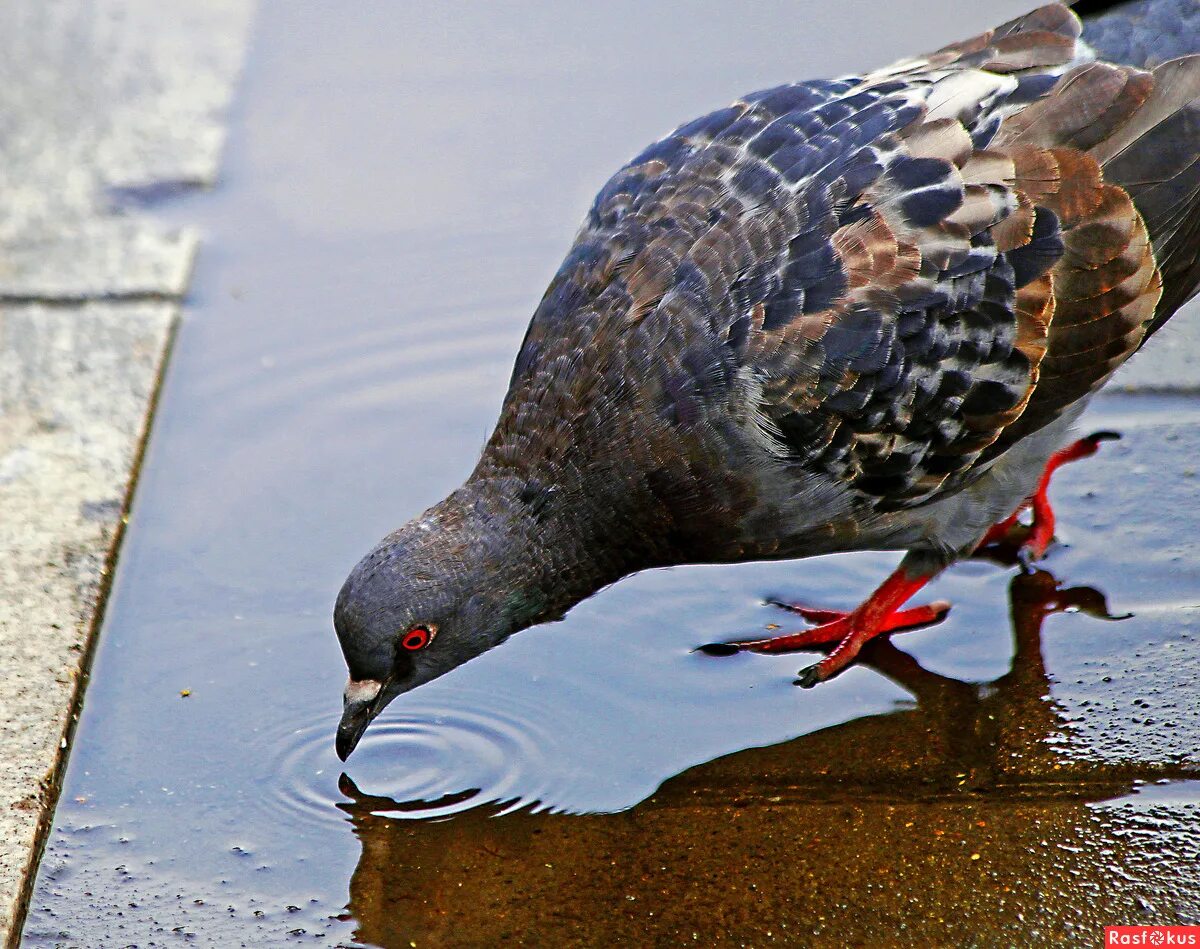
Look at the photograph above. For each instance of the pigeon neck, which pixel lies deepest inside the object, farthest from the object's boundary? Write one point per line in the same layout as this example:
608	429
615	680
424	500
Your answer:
537	546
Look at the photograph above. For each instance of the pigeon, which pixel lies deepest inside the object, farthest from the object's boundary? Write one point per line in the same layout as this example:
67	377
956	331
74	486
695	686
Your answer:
860	313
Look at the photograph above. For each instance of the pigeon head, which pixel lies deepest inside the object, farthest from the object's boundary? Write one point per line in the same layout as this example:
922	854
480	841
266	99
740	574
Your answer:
489	560
423	602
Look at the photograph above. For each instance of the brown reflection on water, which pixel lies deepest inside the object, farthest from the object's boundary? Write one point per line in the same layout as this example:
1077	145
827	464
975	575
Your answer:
953	821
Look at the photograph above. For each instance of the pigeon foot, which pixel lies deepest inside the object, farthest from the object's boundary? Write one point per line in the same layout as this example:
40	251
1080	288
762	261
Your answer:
847	632
1039	535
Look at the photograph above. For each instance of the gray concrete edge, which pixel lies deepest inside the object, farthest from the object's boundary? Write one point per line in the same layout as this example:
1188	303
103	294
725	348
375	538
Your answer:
52	787
128	102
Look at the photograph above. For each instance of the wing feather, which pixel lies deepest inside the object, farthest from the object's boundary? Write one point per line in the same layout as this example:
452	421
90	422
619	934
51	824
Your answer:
918	267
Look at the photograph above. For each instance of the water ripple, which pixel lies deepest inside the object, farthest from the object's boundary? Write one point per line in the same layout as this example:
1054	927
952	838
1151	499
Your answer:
426	762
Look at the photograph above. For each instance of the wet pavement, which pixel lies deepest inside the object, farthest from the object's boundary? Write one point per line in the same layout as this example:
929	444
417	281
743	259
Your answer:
401	187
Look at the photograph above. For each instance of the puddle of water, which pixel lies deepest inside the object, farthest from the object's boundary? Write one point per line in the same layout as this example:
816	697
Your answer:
1164	791
400	186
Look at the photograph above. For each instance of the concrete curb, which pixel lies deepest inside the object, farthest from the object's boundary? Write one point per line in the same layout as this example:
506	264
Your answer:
103	104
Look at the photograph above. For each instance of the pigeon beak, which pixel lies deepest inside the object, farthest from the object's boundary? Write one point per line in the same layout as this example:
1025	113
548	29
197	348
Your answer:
360	705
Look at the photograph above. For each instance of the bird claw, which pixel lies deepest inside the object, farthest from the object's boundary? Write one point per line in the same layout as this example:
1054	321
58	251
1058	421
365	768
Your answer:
720	649
809	676
813	614
837	632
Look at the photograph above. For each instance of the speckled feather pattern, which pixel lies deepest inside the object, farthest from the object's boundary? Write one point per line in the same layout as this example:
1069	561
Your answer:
821	317
890	278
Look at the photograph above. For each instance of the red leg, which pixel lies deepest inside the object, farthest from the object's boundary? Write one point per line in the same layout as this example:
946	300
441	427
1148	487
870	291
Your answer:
1033	546
918	617
849	632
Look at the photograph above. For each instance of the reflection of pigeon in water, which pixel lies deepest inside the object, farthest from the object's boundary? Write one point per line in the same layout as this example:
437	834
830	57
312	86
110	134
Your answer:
837	315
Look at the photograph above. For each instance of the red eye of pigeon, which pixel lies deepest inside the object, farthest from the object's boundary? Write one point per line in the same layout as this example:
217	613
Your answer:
416	638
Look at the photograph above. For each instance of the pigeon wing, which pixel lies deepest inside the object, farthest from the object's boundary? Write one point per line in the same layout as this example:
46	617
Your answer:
905	272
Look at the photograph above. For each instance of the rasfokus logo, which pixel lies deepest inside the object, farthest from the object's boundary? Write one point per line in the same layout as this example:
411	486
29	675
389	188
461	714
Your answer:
1154	936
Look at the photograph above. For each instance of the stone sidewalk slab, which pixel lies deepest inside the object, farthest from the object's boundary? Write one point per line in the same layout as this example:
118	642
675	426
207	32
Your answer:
75	384
104	259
